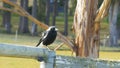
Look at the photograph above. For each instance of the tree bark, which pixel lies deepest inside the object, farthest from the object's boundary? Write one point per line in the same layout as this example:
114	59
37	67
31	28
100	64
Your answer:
47	12
7	19
66	17
54	12
34	14
87	39
23	26
41	10
113	12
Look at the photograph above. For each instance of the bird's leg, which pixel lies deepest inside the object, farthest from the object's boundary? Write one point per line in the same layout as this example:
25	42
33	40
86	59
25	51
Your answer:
48	48
44	46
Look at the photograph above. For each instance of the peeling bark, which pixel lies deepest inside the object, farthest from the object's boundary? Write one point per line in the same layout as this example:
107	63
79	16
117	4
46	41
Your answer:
87	25
86	39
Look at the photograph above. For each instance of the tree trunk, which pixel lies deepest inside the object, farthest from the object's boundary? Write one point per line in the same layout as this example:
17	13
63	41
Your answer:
7	19
34	14
23	26
41	10
71	6
66	17
113	12
54	12
47	12
87	34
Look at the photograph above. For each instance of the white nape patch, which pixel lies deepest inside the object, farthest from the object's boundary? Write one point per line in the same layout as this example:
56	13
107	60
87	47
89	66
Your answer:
50	28
56	29
43	33
47	31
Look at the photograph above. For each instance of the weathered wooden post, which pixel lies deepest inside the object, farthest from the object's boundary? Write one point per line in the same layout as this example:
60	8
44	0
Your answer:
49	62
45	56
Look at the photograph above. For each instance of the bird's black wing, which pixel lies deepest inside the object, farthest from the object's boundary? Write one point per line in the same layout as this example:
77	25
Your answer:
41	39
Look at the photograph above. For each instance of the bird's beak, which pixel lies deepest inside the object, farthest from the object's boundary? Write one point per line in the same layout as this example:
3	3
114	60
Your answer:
56	29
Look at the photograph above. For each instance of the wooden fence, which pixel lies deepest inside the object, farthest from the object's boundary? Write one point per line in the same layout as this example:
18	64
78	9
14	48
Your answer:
48	59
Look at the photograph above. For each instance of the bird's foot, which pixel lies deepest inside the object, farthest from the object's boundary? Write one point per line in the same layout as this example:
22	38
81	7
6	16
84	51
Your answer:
48	48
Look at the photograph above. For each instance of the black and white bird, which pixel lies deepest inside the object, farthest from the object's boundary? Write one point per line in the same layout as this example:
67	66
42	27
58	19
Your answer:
48	37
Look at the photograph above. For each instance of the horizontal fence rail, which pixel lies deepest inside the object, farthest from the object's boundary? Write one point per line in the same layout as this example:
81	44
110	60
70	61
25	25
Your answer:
45	56
48	59
76	62
11	50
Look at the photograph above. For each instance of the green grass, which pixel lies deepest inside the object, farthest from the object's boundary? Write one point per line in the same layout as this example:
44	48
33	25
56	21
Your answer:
7	62
21	39
103	55
109	49
110	55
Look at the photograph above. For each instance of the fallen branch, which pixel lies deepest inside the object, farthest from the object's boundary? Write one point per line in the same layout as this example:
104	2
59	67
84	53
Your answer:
58	46
11	10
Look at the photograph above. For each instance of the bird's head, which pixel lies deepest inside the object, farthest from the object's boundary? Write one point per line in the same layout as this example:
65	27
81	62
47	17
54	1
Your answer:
52	28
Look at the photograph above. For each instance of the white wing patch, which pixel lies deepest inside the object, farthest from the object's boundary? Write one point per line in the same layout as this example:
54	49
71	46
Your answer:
45	34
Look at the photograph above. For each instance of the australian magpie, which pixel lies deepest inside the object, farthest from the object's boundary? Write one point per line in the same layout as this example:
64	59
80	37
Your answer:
48	36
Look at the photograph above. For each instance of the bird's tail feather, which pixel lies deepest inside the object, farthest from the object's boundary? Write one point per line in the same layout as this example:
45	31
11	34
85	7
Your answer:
38	43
